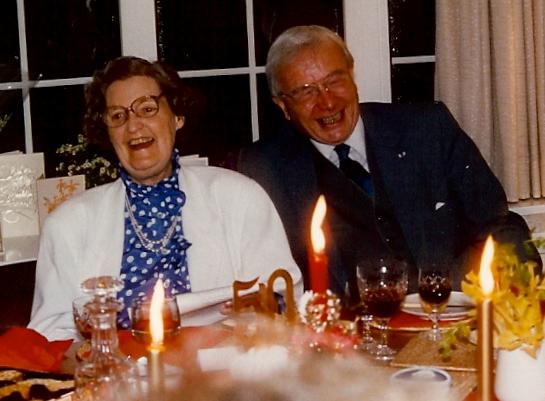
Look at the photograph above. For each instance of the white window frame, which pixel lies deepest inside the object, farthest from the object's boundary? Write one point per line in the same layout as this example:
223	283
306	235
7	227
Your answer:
366	32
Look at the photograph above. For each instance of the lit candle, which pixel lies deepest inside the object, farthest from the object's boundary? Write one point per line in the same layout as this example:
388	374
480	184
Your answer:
485	325
156	348
318	257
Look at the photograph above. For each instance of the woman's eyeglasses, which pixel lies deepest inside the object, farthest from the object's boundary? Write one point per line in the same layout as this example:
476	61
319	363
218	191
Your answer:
144	107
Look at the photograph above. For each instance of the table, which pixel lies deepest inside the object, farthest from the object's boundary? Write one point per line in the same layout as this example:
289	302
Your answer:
344	372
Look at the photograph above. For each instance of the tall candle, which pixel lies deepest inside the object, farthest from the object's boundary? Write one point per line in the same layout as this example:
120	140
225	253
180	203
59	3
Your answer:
156	348
318	258
485	326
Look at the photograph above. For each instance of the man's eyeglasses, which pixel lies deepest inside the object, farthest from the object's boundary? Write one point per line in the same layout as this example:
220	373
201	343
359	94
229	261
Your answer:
335	82
144	107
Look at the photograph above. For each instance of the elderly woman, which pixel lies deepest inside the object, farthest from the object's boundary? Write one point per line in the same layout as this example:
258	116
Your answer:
198	228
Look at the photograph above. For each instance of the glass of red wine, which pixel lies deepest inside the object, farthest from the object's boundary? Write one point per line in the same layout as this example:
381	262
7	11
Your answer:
383	286
434	288
140	319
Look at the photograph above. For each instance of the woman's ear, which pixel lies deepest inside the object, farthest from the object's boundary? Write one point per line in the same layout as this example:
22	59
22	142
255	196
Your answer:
180	121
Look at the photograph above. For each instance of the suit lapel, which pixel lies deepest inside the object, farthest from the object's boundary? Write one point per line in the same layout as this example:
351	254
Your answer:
390	166
350	222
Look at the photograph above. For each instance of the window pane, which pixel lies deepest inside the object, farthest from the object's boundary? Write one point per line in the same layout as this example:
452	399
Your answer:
202	34
222	123
71	38
412	27
272	17
56	119
412	82
270	115
9	43
12	132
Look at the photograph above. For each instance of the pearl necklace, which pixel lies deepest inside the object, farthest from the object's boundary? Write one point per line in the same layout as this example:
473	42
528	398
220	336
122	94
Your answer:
152	245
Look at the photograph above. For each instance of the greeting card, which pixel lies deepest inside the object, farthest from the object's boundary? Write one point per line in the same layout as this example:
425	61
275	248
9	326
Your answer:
18	205
54	191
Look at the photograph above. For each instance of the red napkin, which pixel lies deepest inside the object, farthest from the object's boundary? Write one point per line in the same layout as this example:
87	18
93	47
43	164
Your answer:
406	321
22	348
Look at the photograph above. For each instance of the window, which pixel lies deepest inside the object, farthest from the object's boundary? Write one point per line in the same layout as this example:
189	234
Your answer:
412	48
50	53
218	47
226	63
11	106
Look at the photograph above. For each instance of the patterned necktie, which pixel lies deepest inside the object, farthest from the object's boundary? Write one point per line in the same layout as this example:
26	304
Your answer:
354	170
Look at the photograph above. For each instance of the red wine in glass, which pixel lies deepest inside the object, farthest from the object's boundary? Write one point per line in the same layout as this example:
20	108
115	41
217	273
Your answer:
382	286
434	288
435	293
384	302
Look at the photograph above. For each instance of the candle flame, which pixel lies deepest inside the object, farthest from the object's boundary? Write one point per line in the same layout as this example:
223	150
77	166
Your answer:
317	237
156	313
486	279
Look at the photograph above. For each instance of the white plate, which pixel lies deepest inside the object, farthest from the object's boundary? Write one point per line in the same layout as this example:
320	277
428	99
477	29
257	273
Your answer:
459	305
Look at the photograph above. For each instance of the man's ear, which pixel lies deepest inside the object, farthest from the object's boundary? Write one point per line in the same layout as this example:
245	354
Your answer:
180	121
280	103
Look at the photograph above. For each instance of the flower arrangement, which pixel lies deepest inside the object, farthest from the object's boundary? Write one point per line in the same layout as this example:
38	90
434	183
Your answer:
81	159
518	299
4	118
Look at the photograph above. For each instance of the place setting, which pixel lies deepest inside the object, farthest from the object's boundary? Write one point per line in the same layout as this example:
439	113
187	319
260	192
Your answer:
435	306
431	311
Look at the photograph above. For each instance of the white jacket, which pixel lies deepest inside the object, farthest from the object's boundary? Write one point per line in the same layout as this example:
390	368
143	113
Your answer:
232	225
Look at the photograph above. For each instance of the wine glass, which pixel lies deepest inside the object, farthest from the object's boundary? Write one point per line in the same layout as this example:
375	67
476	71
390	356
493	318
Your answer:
363	318
434	288
383	286
139	313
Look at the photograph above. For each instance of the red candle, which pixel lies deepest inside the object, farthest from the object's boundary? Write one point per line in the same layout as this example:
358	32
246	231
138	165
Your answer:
318	257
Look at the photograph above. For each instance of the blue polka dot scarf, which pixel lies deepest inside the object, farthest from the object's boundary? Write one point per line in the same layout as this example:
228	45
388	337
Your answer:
148	251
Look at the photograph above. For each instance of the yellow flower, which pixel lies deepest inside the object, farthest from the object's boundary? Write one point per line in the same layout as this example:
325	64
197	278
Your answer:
517	296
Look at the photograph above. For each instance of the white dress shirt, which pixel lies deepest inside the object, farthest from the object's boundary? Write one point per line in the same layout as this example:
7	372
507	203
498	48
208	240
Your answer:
356	141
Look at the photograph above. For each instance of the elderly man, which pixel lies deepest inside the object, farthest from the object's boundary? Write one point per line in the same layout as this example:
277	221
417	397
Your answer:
399	179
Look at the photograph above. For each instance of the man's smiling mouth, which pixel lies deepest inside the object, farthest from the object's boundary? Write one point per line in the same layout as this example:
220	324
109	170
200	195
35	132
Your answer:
330	120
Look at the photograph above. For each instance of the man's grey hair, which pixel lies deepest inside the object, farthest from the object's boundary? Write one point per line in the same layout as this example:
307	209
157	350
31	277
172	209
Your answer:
290	42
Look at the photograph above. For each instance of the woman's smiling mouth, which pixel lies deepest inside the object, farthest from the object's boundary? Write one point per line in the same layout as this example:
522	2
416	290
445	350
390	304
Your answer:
139	143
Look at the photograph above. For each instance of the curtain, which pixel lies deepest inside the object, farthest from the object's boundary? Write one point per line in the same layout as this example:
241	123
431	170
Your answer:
490	72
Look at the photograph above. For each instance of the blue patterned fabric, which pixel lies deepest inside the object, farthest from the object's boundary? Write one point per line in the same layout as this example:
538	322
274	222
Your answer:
155	208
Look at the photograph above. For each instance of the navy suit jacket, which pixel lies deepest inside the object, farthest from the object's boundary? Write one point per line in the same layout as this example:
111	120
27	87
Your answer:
435	199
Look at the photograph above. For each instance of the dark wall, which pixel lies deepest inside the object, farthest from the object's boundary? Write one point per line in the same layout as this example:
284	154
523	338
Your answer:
16	291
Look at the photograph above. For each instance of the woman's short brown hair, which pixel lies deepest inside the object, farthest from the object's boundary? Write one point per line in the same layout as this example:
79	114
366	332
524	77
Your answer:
121	68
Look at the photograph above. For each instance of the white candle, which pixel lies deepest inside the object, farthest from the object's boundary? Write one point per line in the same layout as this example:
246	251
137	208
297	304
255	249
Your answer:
485	326
155	349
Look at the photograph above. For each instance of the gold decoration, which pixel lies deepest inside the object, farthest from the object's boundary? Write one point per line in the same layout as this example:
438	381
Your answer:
264	300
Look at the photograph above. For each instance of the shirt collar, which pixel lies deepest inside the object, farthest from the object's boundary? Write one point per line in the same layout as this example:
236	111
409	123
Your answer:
356	141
